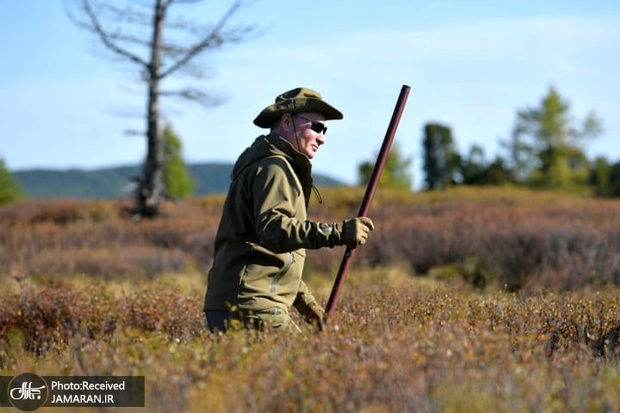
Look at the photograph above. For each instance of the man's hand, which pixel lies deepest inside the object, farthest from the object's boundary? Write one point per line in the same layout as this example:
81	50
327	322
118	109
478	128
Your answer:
355	231
314	314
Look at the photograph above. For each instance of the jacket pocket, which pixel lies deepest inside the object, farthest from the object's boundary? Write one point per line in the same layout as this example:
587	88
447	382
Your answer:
287	266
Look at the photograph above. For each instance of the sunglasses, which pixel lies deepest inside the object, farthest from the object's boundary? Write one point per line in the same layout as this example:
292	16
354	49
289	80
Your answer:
318	127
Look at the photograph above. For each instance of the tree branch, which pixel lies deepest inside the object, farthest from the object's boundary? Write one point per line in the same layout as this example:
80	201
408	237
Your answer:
184	1
194	95
107	38
212	40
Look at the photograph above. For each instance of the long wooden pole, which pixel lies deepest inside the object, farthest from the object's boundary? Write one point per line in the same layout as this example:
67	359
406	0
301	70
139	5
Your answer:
369	195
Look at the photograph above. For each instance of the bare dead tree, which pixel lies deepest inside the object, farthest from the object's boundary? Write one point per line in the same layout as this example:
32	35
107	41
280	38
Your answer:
147	35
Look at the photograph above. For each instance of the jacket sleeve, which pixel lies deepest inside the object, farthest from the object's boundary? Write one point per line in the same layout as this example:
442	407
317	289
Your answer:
278	204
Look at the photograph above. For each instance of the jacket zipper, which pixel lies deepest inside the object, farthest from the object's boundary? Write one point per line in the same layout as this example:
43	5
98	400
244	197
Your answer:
278	277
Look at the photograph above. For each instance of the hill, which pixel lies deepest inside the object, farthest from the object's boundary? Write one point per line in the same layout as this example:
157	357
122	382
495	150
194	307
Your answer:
117	182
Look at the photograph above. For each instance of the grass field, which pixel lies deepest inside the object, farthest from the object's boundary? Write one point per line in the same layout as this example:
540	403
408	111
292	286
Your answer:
473	300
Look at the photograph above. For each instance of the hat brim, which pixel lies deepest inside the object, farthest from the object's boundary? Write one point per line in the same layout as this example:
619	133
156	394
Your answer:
268	116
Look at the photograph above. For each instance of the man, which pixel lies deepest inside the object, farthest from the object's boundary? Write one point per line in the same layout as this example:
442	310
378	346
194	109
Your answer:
264	231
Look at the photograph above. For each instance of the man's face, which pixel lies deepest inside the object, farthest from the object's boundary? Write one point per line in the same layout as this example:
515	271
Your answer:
310	128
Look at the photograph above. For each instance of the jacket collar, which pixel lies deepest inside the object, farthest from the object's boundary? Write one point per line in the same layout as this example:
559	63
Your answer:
300	162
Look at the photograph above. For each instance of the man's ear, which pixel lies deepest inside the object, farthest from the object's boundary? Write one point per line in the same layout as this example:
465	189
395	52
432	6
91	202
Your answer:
286	122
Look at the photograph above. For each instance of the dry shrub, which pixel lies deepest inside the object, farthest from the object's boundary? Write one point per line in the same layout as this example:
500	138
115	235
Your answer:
163	308
58	211
584	323
71	237
48	317
509	243
493	238
395	344
126	261
44	319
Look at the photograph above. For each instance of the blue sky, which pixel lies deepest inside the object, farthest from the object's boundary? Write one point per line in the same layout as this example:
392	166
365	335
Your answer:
471	65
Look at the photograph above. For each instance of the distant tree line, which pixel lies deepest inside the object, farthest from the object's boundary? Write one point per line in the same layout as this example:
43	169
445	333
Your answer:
545	151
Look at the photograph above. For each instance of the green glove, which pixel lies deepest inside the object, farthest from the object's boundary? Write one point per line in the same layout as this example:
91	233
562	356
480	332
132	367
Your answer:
313	314
355	231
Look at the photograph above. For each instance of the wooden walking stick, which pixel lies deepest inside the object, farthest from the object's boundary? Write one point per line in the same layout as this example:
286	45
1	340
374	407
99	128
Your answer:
369	195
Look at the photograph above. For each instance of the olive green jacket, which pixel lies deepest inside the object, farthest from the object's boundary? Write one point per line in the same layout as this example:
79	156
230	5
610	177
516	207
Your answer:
264	232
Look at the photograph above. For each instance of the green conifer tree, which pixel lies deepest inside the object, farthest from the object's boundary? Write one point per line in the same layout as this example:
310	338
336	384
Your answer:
441	160
550	146
175	175
10	190
395	174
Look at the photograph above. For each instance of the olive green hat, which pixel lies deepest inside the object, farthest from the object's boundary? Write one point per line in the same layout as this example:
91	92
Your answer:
297	100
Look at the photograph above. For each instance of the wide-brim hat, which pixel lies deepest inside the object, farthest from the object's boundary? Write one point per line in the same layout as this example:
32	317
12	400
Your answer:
297	100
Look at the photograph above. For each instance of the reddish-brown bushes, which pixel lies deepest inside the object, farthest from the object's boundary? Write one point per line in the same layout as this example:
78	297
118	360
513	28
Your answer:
566	244
63	238
46	318
394	344
163	308
59	212
495	238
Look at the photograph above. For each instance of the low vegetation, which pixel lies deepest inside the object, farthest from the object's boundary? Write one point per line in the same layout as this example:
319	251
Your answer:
493	238
467	300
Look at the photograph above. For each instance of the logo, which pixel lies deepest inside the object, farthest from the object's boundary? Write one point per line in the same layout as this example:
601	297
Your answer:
27	392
